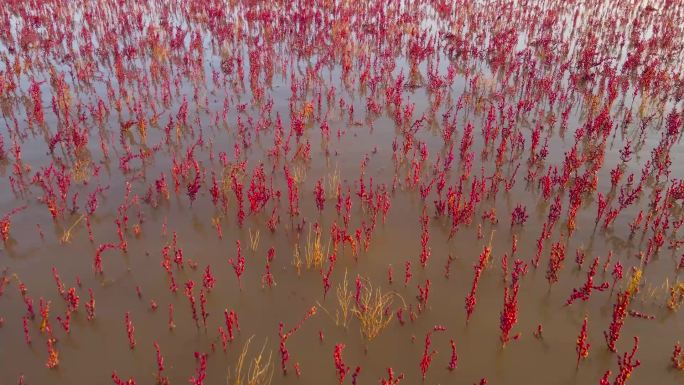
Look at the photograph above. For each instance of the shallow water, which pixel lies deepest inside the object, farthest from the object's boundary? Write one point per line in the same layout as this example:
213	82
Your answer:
337	55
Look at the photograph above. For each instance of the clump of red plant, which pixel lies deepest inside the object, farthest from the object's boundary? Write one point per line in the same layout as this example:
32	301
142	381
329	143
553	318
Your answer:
340	366
618	319
677	357
555	262
471	298
130	330
284	336
453	361
519	215
391	378
584	292
509	314
238	264
426	360
627	364
582	344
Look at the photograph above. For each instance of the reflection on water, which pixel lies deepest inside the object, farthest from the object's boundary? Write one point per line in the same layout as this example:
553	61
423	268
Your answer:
394	182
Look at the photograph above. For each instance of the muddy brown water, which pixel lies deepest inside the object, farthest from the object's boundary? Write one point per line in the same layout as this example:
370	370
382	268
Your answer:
92	350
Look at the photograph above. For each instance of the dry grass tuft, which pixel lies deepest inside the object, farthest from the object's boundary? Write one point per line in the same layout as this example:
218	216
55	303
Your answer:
254	239
66	236
297	260
375	310
332	181
260	371
676	297
344	301
314	254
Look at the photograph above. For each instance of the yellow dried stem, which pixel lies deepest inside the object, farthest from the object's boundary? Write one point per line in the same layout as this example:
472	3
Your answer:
676	296
297	260
66	236
344	300
332	181
313	252
260	371
374	313
254	239
634	282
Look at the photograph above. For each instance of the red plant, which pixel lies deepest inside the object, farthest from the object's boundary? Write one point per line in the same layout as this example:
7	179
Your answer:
585	291
239	266
232	323
284	352
453	361
66	322
203	307
424	238
555	262
519	215
326	278
391	378
407	273
5	223
189	286
340	367
224	338
447	266
319	195
267	278
161	379
355	375
72	299
201	374
53	355
423	295
426	360
208	281
616	273
471	298
130	330
627	363
509	314
119	381
90	306
27	336
258	193
582	344
619	314
677	356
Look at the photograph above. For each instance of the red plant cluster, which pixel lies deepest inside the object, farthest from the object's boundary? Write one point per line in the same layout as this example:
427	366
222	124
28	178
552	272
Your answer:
584	292
471	298
626	363
509	314
555	262
677	357
201	374
453	361
391	379
130	330
238	264
582	344
284	336
426	360
340	367
519	215
618	319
